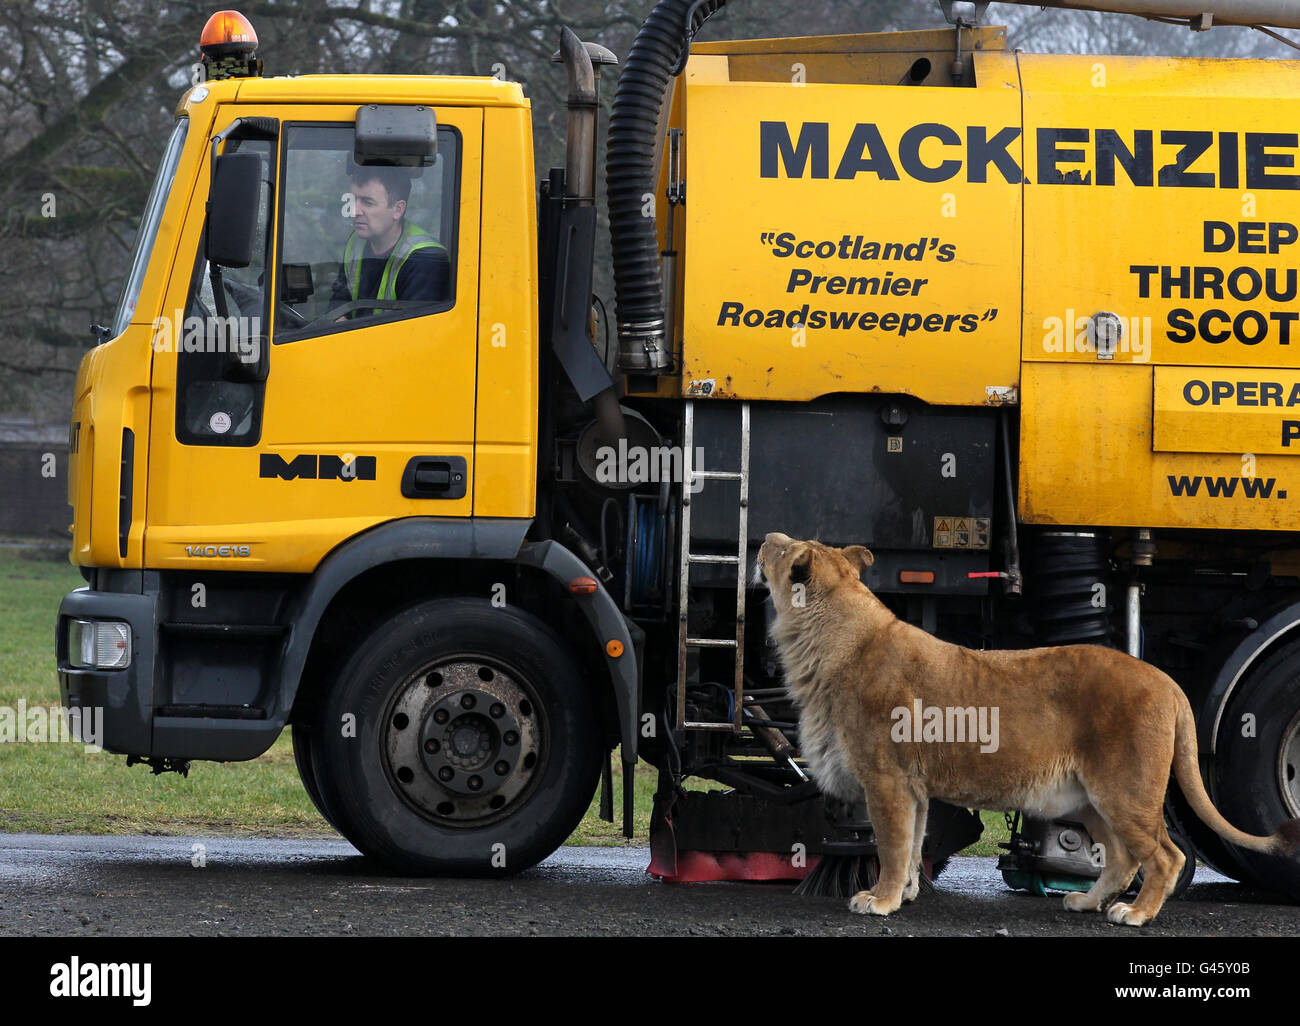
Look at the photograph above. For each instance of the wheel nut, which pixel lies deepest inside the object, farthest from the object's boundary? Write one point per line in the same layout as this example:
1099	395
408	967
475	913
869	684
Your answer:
497	711
502	768
475	783
445	774
431	746
510	737
468	701
440	716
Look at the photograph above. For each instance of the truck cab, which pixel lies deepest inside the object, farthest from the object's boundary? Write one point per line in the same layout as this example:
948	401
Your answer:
214	445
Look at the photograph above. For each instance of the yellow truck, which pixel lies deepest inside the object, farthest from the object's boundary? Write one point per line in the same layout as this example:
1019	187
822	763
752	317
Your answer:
357	456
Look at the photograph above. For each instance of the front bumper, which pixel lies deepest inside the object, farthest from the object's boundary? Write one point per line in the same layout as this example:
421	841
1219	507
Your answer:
125	696
173	699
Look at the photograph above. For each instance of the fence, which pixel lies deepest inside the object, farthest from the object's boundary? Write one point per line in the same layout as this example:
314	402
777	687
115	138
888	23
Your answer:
34	491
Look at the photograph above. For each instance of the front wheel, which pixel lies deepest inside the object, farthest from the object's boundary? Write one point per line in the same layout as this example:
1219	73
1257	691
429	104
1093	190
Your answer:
302	742
459	739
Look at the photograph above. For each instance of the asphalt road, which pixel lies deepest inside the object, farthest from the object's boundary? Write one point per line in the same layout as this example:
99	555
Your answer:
146	886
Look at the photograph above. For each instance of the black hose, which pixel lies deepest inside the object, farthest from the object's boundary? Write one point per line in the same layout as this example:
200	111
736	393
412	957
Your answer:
630	171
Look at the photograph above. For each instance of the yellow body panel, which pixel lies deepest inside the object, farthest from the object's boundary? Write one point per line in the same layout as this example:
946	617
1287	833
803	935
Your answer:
505	480
1139	249
819	258
350	90
113	386
1138	171
1207	410
851	59
1093	430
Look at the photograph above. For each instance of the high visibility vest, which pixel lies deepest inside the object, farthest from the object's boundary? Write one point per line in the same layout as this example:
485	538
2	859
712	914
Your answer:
411	239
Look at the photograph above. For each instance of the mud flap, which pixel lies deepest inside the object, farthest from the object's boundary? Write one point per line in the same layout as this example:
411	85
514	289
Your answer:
663	840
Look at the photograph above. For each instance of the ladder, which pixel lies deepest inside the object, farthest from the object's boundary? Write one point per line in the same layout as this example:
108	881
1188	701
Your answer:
685	642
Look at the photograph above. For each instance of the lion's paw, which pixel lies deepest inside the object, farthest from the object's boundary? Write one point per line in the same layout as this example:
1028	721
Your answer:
1126	915
867	904
912	889
1077	901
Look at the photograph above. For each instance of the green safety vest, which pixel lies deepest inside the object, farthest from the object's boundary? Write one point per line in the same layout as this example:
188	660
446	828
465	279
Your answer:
411	239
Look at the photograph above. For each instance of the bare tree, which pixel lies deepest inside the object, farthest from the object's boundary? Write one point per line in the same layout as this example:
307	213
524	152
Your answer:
89	87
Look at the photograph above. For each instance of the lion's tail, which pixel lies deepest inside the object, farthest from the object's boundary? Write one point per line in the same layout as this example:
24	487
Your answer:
1286	841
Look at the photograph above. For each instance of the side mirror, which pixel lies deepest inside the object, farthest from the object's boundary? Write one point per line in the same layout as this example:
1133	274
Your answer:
396	135
232	208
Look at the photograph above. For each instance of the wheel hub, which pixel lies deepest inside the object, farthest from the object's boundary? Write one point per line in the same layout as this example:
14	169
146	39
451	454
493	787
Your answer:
470	740
462	741
1288	766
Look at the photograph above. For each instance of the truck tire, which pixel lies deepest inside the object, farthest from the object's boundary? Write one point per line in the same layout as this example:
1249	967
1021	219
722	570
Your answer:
302	742
1257	778
1185	875
459	738
1207	846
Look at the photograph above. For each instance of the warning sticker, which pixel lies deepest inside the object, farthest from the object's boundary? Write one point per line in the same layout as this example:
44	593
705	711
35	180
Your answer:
961	533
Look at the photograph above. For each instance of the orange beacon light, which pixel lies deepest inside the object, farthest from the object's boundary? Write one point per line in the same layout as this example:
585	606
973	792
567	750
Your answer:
229	47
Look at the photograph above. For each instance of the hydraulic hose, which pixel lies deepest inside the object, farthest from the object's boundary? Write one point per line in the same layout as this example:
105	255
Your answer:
630	174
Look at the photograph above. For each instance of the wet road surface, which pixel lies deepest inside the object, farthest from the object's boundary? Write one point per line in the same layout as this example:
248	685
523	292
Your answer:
54	885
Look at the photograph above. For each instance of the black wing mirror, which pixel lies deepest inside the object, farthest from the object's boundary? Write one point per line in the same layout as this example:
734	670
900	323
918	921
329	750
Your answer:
232	208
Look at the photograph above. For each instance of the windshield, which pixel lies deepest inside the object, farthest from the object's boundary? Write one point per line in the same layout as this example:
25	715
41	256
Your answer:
149	229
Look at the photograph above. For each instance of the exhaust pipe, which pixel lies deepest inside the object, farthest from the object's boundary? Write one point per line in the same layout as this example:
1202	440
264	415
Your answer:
580	135
1200	14
581	63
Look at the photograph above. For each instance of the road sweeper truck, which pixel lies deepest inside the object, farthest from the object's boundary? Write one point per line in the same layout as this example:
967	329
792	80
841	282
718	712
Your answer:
360	455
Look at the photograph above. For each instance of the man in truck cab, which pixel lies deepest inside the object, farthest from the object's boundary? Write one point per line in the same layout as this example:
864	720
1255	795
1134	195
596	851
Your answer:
387	257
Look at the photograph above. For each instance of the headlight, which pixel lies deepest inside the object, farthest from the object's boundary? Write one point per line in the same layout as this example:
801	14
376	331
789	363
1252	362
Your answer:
99	644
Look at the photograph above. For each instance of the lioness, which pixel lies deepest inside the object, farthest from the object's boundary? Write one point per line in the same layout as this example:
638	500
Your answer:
1085	731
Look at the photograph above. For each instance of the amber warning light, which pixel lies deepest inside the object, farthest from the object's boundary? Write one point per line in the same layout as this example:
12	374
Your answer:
229	47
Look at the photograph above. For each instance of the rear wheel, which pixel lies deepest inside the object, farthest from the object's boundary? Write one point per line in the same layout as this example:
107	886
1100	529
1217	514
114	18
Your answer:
459	738
1257	766
1208	846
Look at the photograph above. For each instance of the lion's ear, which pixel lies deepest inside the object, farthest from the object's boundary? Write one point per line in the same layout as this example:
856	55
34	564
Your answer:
801	568
859	555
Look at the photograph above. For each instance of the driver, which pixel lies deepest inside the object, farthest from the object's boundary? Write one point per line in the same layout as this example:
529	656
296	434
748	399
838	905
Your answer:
388	257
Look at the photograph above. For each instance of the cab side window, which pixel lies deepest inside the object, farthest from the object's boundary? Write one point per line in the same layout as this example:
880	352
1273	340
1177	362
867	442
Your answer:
361	245
219	342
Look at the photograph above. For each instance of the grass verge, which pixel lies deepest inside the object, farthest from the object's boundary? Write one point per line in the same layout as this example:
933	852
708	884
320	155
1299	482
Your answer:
62	788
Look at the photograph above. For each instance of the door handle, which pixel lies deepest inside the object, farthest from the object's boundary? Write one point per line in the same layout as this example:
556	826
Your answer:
435	477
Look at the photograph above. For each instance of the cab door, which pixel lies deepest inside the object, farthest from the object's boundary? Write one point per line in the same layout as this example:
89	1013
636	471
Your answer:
359	413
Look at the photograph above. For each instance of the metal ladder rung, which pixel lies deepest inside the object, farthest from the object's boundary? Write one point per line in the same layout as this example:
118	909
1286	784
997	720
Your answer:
687	559
718	475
